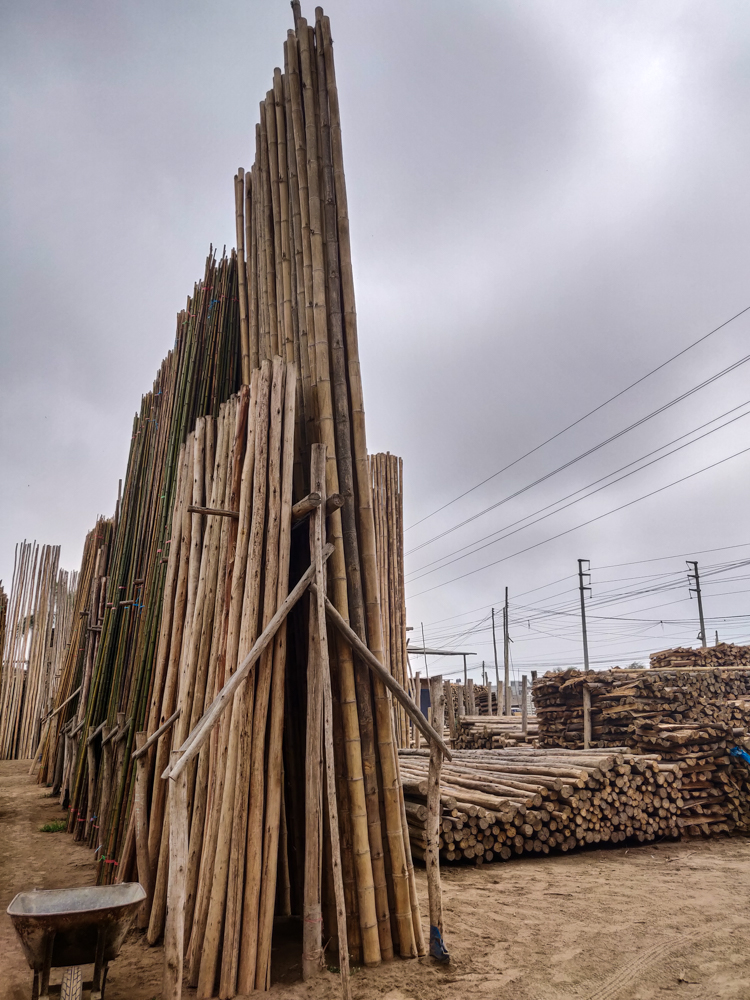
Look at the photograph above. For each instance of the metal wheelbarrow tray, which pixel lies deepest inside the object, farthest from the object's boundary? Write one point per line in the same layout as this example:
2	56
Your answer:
72	927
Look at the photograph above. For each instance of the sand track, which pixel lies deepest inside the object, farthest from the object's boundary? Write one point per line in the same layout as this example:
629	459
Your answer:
670	921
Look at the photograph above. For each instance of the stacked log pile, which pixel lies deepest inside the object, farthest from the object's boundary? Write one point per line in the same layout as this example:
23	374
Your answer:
38	623
724	654
501	803
715	783
481	732
622	698
227	826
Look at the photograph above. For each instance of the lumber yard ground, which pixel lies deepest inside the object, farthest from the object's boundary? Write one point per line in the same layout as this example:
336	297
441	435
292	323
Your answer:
668	920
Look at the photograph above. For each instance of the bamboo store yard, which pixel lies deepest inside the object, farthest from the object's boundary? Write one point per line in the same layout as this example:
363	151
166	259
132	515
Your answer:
213	725
665	920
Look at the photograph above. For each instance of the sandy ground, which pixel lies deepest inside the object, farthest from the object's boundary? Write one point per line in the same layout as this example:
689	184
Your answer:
670	921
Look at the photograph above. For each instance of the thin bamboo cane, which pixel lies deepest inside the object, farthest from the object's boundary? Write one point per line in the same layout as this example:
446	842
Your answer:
239	202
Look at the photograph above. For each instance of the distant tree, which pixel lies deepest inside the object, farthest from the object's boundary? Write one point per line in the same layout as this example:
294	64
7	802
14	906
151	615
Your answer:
635	666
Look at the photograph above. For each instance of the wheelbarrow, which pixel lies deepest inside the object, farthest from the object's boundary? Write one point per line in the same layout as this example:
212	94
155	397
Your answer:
73	927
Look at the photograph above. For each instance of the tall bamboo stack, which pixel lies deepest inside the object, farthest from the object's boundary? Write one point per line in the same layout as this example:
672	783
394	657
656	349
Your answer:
38	622
387	472
202	548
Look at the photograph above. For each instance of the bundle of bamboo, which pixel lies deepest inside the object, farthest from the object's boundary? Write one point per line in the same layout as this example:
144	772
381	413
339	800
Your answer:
598	708
124	569
197	567
37	632
387	472
724	654
504	802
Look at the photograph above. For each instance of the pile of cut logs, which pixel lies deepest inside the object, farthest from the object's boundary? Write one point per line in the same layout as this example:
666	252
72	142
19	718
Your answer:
498	803
482	732
612	701
724	654
715	782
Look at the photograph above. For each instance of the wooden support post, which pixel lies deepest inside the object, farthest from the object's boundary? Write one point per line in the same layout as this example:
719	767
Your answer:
174	931
524	706
418	700
317	541
471	708
311	908
586	717
140	806
434	808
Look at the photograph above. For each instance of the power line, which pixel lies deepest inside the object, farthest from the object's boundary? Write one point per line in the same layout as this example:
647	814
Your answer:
570	576
576	527
482	543
585	454
585	416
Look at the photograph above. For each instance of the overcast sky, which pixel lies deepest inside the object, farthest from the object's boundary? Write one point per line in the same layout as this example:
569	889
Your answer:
548	200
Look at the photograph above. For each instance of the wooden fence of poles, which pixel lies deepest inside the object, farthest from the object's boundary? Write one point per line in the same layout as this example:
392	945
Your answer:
38	621
255	424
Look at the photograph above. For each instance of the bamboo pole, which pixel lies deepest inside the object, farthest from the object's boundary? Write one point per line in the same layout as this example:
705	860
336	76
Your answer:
175	933
274	789
432	854
239	202
312	920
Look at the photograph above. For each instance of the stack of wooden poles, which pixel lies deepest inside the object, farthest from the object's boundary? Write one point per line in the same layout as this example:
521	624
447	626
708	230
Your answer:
501	803
387	472
598	708
61	732
38	624
714	779
723	654
208	758
108	672
481	732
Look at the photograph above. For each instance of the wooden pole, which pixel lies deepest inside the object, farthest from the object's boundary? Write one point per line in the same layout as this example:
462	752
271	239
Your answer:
311	911
175	926
141	826
524	706
586	716
434	809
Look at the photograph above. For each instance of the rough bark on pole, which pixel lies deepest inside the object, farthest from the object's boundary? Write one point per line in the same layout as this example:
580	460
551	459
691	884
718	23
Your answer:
586	717
317	534
141	828
524	706
434	808
311	909
174	931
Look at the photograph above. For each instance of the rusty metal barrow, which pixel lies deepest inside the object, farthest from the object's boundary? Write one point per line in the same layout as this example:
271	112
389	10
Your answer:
73	927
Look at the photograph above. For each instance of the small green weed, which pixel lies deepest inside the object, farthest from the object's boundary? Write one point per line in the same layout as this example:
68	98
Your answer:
56	826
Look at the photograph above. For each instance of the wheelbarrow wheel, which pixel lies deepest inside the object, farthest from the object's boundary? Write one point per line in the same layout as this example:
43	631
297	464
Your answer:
71	987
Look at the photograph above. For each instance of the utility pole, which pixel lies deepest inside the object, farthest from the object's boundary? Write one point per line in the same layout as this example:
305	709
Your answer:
424	646
466	680
694	578
497	668
582	588
506	654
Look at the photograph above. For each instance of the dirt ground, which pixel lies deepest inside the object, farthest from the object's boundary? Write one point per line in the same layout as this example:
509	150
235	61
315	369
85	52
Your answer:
657	921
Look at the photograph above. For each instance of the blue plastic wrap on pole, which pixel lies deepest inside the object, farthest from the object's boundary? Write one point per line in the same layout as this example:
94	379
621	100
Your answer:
437	948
